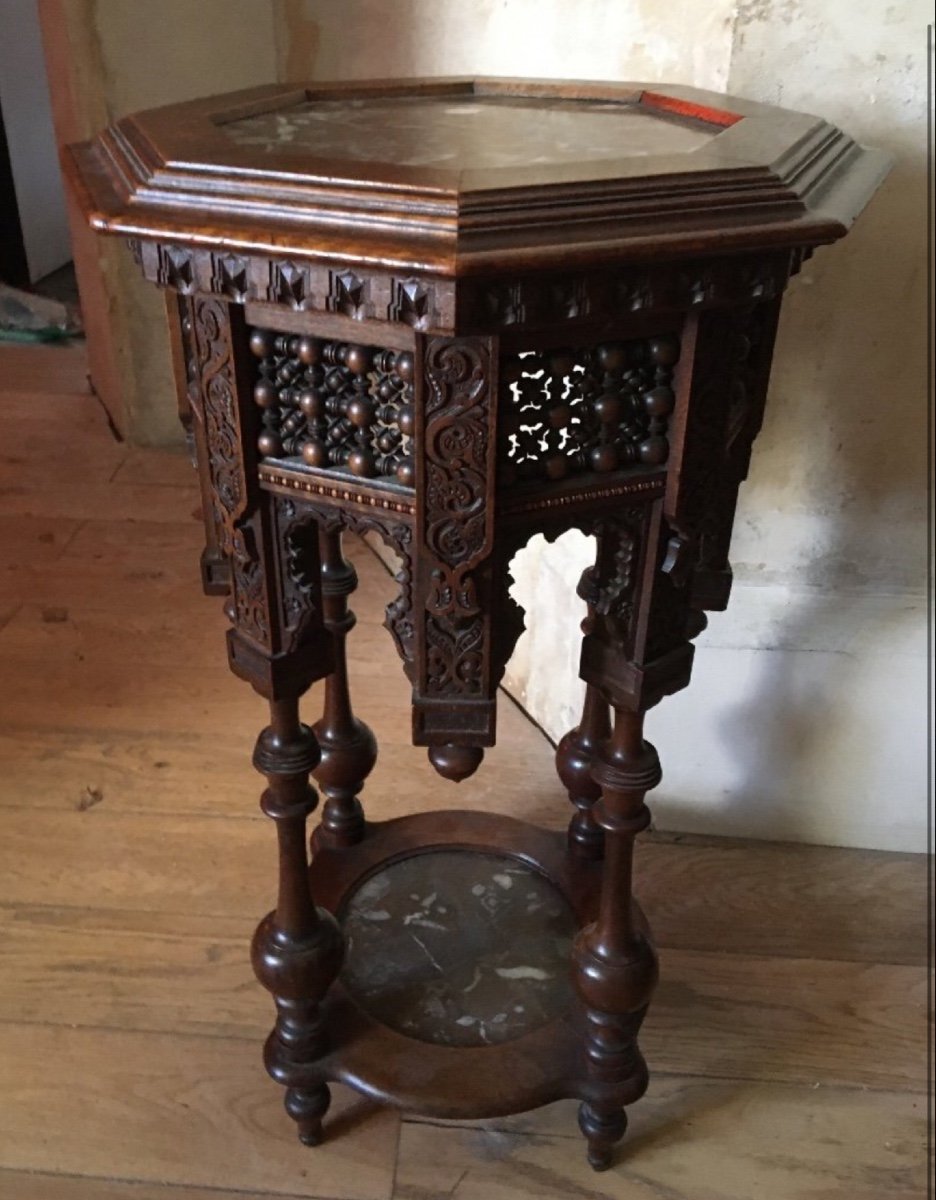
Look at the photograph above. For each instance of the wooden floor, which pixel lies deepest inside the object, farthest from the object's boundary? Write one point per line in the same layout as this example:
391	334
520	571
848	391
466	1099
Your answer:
787	1038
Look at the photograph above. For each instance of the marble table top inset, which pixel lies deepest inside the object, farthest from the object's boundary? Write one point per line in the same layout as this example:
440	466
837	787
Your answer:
459	948
467	133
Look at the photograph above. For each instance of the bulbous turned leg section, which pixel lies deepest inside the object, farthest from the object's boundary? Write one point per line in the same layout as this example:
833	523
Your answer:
575	756
615	964
349	748
297	950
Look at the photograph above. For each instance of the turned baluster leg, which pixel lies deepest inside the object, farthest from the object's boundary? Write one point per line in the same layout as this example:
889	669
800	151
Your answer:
349	748
575	757
615	962
576	753
297	949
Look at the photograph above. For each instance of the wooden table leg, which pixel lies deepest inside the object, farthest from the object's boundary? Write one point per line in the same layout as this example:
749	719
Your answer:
615	962
298	949
349	748
575	757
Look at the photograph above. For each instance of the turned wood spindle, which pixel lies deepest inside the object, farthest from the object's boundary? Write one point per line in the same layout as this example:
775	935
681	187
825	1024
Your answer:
615	961
577	751
575	757
298	949
348	747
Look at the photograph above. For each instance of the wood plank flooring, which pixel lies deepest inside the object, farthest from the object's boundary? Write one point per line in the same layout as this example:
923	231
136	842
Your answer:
787	1038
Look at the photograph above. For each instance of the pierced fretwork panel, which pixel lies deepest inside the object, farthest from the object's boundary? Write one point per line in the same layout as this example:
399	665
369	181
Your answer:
335	405
592	409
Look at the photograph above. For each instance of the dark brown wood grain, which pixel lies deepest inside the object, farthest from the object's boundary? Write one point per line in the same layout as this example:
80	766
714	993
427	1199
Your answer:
388	321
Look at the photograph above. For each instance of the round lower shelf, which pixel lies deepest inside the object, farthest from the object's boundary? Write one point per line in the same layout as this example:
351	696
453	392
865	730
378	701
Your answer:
459	948
468	1012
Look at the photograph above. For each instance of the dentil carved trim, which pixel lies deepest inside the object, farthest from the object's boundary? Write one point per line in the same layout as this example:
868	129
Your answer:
476	304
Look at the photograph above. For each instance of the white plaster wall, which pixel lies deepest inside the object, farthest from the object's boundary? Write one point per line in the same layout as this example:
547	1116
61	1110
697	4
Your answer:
564	39
806	716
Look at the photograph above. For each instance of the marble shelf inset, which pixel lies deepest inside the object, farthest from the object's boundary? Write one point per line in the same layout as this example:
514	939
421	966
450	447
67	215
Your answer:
459	948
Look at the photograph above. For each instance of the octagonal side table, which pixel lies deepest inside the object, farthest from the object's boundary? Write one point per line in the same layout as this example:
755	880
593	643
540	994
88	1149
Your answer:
458	312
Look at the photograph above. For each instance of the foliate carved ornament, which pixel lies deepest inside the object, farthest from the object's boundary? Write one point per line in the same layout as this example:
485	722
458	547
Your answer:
306	518
236	518
455	521
610	587
298	572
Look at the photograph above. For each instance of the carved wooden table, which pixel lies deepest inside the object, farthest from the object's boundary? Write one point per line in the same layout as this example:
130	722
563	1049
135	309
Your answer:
459	313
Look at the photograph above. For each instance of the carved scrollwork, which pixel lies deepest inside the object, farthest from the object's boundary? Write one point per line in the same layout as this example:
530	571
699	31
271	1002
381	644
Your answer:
304	519
299	570
235	521
456	526
610	587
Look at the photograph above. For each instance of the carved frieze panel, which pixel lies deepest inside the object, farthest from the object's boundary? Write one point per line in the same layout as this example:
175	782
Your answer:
300	522
477	304
302	285
652	287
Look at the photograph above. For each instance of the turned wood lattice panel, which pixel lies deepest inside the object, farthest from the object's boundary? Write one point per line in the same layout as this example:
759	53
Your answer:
335	405
347	407
596	408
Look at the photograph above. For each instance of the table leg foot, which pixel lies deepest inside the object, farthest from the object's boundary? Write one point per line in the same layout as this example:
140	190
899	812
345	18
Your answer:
307	1107
615	965
603	1128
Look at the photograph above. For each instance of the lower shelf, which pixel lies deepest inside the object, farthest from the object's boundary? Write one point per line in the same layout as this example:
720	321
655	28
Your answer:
456	997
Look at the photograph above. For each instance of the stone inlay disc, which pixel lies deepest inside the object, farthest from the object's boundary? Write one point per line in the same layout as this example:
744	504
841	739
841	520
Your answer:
460	948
